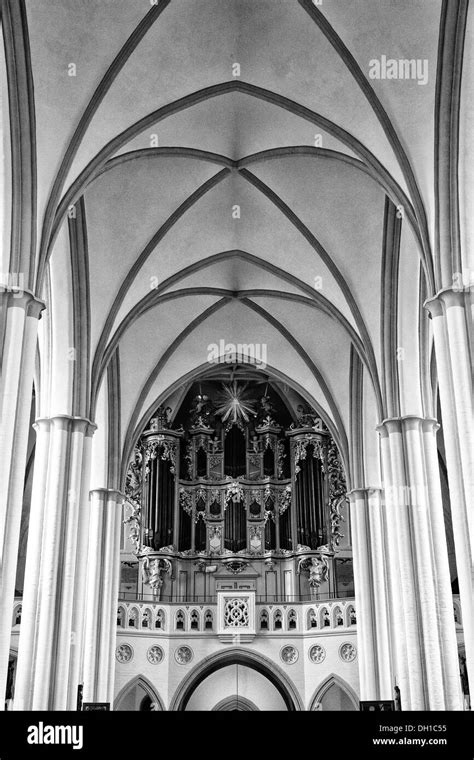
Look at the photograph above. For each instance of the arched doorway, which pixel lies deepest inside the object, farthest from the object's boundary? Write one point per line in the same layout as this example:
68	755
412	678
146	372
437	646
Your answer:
253	668
237	688
334	695
138	695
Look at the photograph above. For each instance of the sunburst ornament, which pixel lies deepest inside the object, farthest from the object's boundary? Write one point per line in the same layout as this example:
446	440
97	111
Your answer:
235	403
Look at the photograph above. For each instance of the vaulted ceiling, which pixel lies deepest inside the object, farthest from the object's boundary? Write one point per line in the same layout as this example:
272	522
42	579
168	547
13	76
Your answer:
151	135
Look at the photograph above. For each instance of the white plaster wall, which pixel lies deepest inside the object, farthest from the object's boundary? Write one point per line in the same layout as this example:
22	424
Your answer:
306	676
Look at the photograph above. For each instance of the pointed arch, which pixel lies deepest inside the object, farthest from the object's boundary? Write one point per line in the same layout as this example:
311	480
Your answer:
143	682
160	619
257	661
133	613
333	680
146	617
180	620
311	618
235	703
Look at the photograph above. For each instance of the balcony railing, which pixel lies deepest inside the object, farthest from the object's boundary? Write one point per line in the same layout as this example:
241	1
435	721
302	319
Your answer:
282	617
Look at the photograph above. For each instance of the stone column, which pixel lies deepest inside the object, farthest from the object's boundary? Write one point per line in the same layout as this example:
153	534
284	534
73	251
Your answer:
378	559
448	639
19	312
53	602
450	312
363	595
414	511
371	603
394	591
103	575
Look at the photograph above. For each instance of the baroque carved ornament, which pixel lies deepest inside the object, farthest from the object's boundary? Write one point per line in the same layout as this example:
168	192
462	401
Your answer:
300	446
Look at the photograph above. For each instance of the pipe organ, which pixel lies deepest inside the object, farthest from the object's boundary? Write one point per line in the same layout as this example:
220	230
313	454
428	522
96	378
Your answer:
236	475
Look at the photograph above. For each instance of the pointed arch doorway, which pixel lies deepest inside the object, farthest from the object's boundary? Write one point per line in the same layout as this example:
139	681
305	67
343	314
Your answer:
334	694
138	695
215	683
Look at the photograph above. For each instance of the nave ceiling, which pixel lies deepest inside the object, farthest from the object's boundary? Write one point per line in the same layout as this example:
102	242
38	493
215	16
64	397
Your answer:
154	143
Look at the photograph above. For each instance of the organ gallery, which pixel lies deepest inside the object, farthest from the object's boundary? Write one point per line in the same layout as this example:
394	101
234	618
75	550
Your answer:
240	481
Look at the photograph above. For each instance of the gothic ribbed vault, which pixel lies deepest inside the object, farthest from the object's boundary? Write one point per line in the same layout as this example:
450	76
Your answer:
179	203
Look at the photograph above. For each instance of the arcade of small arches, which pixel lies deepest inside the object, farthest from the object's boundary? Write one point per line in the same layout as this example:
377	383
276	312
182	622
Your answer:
270	618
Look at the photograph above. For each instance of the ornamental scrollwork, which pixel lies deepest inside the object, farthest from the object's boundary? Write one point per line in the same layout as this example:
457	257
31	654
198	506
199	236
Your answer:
254	461
236	566
234	492
216	496
281	456
284	499
133	483
215	460
268	515
188	458
337	492
185	501
268	442
300	450
168	451
133	487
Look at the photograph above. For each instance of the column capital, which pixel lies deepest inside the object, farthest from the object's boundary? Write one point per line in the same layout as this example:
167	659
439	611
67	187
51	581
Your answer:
21	298
109	493
444	299
365	491
68	423
407	422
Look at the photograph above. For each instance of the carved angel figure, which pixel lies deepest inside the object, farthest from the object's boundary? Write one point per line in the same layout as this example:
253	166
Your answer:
151	573
318	571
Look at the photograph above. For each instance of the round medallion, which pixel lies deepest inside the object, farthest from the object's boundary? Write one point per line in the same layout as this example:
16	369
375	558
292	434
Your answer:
317	653
155	655
347	652
124	653
183	655
289	654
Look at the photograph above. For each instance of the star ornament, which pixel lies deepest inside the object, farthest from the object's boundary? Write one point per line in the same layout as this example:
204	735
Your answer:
235	403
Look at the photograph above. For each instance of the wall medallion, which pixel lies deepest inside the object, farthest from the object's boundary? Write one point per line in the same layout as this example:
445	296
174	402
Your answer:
124	653
183	655
347	652
155	655
317	653
289	654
